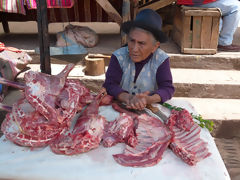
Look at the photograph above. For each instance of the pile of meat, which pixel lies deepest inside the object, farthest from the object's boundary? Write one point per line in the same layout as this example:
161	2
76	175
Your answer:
63	114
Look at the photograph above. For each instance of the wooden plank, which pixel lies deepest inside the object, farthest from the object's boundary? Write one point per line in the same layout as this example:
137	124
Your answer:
76	11
99	13
187	34
215	32
87	12
157	5
201	13
110	10
206	32
199	51
197	24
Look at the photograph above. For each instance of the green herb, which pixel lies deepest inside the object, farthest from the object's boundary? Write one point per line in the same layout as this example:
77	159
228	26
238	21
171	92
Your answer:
202	122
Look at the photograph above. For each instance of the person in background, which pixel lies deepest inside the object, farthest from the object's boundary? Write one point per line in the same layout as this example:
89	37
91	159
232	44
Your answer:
139	73
229	22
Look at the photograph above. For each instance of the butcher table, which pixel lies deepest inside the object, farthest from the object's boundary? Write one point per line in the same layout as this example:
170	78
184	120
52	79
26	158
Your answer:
22	163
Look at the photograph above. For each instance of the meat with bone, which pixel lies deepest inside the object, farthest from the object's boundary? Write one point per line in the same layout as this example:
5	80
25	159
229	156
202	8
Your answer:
31	122
120	130
12	132
153	139
42	90
86	135
187	143
69	99
34	125
181	119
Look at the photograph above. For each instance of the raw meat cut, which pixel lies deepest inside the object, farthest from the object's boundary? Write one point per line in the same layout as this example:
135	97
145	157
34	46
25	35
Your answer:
182	119
186	142
32	123
42	90
12	132
86	135
120	130
153	139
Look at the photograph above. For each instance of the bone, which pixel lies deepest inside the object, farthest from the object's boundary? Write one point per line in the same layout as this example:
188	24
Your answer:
5	107
12	83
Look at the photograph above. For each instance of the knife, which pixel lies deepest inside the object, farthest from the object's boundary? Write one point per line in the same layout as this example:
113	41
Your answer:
162	112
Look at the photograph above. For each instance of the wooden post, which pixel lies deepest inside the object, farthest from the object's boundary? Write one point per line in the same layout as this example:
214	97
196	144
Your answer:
125	17
5	24
43	36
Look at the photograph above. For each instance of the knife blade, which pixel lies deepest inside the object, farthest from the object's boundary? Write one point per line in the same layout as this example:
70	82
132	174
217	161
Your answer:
75	118
162	112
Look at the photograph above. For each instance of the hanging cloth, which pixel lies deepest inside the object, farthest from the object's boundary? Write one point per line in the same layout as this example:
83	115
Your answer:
12	6
32	4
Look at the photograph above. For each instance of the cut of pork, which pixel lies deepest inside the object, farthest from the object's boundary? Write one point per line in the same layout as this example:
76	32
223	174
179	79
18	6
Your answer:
120	130
153	139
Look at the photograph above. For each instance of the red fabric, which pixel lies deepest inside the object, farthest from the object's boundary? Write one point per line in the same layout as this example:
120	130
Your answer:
2	48
192	2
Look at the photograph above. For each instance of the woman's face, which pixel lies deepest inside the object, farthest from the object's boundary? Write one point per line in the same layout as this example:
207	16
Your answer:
141	44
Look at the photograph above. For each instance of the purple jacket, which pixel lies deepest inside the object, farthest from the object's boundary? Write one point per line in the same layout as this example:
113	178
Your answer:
163	77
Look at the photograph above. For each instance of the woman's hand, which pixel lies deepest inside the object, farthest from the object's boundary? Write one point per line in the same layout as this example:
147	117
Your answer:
141	100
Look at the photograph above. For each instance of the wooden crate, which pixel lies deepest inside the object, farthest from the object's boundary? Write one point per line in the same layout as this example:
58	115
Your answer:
196	30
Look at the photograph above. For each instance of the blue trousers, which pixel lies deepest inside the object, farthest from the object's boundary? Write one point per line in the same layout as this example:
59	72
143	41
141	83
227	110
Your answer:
230	20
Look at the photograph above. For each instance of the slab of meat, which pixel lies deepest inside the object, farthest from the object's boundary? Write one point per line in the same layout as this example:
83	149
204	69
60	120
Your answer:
153	139
120	130
68	101
181	119
186	142
42	90
12	132
31	122
86	135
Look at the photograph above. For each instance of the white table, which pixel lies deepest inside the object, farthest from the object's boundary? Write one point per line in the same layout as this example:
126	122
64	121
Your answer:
23	163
